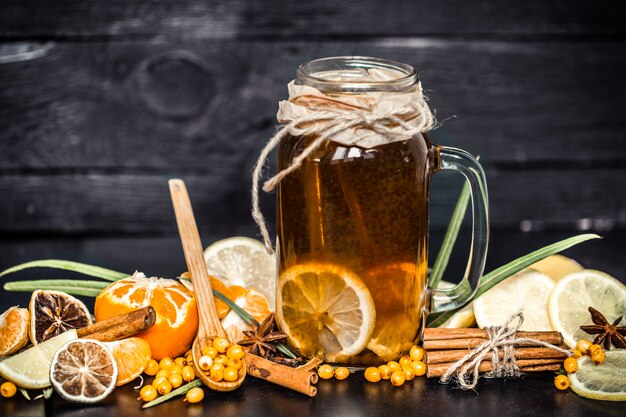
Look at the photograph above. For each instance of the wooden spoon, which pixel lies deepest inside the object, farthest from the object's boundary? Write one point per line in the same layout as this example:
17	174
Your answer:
209	326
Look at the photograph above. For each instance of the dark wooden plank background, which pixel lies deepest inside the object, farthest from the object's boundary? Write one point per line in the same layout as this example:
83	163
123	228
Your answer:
102	102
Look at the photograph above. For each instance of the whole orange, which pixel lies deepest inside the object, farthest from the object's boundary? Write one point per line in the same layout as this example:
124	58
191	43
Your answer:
175	306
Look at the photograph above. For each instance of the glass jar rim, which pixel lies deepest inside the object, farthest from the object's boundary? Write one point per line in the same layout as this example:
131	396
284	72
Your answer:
308	74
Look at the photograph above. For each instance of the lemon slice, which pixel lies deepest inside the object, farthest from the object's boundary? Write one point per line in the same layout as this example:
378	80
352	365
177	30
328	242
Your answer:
527	291
462	318
31	368
601	382
245	262
326	310
557	266
578	291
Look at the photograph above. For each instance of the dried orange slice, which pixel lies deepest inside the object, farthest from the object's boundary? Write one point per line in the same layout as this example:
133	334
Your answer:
175	306
54	312
132	355
326	310
83	371
253	302
13	330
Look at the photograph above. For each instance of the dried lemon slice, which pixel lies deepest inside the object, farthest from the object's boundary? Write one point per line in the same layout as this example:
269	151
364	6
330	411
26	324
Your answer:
83	371
31	368
326	310
13	330
527	291
574	294
54	312
601	382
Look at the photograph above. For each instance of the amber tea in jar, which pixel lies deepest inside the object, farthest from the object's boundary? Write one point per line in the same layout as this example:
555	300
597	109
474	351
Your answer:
352	211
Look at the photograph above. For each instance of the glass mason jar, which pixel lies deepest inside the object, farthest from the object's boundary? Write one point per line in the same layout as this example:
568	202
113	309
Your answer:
352	226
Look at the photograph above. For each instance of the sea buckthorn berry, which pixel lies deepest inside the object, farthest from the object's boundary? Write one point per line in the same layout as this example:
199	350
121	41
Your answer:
597	354
385	372
570	365
205	363
561	382
405	361
152	368
325	371
217	373
234	363
576	353
163	373
164	387
235	352
166	363
419	368
394	366
220	344
188	373
189	352
209	351
416	353
180	362
409	373
372	374
342	373
175	370
176	380
148	393
8	389
583	346
158	381
230	374
194	395
397	378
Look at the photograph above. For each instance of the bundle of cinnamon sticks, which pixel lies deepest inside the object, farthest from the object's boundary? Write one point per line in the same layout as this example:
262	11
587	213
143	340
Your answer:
445	346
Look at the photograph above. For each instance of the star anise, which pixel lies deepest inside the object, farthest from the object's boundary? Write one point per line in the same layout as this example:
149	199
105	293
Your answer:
260	340
606	332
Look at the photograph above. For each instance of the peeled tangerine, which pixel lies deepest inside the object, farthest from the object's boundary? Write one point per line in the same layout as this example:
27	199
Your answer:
13	330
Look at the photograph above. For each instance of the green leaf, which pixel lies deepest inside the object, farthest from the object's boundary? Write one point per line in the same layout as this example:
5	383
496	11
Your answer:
441	263
94	271
88	288
178	391
495	277
24	393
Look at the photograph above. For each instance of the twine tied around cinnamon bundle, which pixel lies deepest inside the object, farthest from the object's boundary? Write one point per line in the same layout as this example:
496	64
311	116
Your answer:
501	339
365	120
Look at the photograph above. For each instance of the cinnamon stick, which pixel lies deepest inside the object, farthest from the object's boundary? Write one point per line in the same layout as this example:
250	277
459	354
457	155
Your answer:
298	379
120	326
444	334
554	338
446	356
525	365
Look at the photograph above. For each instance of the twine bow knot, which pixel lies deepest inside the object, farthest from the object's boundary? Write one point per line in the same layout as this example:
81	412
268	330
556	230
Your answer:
501	339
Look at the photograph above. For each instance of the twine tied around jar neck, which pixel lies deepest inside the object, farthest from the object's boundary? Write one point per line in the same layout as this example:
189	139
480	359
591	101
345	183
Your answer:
502	339
365	120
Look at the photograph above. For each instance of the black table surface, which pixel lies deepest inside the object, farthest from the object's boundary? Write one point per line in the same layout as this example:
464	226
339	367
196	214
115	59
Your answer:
531	395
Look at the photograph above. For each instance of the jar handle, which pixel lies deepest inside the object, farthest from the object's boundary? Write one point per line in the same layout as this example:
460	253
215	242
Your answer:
462	161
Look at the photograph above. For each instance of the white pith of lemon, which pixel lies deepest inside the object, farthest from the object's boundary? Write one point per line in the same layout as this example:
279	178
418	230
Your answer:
527	291
243	261
326	310
574	294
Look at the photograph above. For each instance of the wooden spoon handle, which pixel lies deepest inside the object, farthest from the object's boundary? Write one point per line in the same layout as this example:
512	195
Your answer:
192	247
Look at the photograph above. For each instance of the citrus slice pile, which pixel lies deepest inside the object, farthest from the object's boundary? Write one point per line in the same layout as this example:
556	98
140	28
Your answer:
556	266
31	368
13	330
54	312
528	292
601	382
326	310
175	307
575	293
244	262
132	355
83	371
